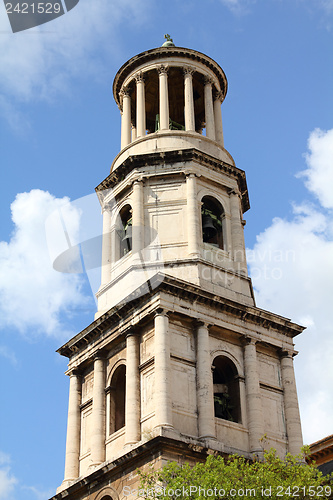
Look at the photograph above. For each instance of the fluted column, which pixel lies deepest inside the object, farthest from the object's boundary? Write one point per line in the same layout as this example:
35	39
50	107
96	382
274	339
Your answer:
253	397
140	106
132	407
218	99
106	247
205	389
98	412
293	423
126	118
189	101
72	464
163	96
209	110
237	232
193	221
163	409
138	216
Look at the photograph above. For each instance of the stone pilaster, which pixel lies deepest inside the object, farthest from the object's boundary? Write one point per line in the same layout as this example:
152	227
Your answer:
133	399
163	408
163	96
209	109
138	216
140	106
205	390
98	412
253	396
72	464
189	101
237	232
106	248
193	220
293	422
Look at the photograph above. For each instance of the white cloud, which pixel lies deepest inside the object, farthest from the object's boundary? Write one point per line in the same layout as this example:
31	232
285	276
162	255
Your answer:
38	63
7	479
8	354
319	174
33	295
292	270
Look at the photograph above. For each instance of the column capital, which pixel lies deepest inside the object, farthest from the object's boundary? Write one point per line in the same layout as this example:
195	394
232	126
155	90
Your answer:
124	92
219	96
199	323
74	372
163	69
287	353
99	355
234	191
161	312
191	174
139	77
249	341
208	80
188	70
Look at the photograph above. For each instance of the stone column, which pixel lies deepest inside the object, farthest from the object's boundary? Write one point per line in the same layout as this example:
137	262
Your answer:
163	96
106	247
205	389
134	134
209	110
193	220
237	232
218	99
253	397
293	423
163	409
72	464
189	101
138	216
98	412
126	118
140	106
133	400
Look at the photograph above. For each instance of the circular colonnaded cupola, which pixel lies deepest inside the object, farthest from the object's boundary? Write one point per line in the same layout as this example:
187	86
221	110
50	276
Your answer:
170	97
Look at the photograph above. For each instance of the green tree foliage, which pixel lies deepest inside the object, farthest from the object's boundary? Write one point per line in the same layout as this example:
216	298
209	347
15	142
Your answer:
238	478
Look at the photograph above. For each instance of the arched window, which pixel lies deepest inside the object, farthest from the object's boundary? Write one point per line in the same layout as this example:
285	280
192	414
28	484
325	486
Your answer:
211	219
226	390
124	231
118	388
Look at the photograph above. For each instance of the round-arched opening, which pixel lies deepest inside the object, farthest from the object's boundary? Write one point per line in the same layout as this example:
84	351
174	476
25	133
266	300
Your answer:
118	393
226	390
124	231
211	219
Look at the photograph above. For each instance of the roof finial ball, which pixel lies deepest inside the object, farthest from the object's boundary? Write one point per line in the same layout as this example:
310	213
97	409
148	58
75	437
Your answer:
169	41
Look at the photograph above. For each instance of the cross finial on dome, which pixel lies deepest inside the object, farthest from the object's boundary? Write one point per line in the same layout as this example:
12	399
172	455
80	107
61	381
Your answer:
169	41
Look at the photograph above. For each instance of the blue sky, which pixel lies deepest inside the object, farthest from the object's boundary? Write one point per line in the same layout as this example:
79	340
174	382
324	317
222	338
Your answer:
59	132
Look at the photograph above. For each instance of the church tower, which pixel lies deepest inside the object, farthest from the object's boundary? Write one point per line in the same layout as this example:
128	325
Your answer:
179	362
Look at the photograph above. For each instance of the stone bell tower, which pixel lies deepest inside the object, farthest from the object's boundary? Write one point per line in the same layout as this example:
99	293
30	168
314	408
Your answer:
179	362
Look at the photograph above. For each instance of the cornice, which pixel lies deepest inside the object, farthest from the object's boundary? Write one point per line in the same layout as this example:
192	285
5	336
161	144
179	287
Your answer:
182	290
176	156
166	53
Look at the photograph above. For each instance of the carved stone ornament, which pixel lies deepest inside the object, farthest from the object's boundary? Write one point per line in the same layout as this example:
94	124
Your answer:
139	77
188	70
208	80
219	96
163	69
